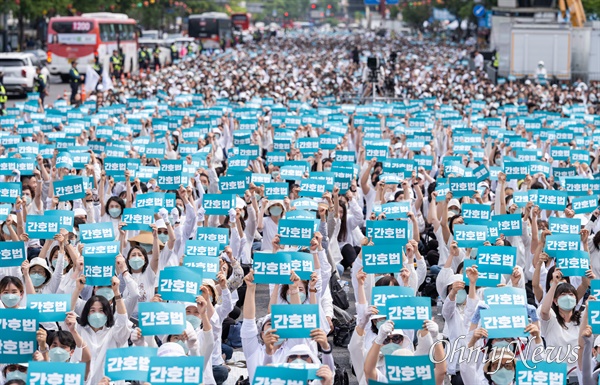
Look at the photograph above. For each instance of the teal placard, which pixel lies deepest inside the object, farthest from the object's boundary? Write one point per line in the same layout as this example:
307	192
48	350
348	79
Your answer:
312	188
18	329
485	278
265	375
179	283
381	259
171	180
505	321
584	205
138	219
503	296
209	266
462	187
272	268
393	210
161	318
380	295
301	214
199	248
97	232
475	213
276	158
12	254
98	271
102	249
218	204
559	243
296	232
402	369
130	363
515	170
155	200
42	226
509	224
574	263
276	190
291	172
594	315
497	259
5	209
69	189
10	191
51	307
24	165
389	232
186	370
46	373
233	184
114	166
543	372
301	263
294	321
213	234
552	200
595	287
564	225
470	235
408	312
581	186
305	204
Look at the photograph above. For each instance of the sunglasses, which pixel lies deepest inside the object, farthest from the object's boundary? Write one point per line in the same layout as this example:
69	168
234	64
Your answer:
165	232
303	357
394	338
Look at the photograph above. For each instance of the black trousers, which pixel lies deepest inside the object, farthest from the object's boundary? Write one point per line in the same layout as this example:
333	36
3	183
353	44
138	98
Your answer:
74	91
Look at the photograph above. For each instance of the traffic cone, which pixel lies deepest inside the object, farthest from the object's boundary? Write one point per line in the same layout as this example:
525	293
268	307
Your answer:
65	95
83	93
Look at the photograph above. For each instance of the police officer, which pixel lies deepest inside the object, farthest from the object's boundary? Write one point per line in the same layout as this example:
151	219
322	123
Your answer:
75	81
97	66
3	97
116	65
40	84
143	58
156	57
174	53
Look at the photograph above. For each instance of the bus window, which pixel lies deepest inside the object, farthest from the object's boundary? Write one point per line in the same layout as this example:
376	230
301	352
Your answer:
104	32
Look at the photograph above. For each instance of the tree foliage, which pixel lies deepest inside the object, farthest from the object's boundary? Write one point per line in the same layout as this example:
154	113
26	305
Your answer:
416	15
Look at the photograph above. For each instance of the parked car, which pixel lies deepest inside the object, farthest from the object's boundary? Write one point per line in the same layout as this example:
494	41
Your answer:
19	71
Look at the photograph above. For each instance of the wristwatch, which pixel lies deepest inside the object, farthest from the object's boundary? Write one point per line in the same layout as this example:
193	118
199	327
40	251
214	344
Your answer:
118	297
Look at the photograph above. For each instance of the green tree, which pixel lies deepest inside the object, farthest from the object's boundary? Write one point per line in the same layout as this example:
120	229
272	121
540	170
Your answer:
591	7
416	15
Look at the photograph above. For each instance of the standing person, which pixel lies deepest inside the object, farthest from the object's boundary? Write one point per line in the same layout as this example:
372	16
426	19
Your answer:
156	57
116	65
97	66
3	96
75	81
478	60
40	84
174	53
143	58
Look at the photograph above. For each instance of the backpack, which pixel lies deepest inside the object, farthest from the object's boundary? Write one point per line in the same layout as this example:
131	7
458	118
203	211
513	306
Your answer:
340	376
234	338
429	288
343	327
338	295
243	381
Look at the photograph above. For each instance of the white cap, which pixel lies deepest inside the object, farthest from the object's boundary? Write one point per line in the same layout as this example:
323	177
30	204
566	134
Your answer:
454	202
170	349
80	212
160	224
597	341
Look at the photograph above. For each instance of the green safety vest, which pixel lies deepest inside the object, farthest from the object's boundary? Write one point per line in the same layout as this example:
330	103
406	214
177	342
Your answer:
173	49
497	60
3	97
116	62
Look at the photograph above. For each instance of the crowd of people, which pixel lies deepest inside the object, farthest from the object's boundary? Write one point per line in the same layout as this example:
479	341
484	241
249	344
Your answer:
257	147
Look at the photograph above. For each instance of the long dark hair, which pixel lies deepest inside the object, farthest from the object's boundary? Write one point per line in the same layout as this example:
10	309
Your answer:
146	262
562	289
110	318
343	228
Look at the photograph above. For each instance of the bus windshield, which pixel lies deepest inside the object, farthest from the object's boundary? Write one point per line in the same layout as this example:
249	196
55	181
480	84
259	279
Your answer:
72	26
